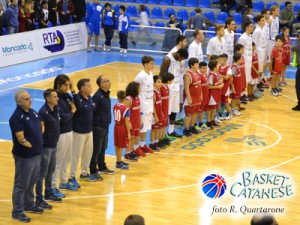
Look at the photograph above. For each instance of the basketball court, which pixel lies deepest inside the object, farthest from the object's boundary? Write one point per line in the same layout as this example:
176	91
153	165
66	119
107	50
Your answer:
164	187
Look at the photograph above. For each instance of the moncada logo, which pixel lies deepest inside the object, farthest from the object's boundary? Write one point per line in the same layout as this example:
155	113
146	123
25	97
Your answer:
16	49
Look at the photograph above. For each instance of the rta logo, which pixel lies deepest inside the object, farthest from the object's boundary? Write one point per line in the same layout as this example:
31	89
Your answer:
54	41
214	186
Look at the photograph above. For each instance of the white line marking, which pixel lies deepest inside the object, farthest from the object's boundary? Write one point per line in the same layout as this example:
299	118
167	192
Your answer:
4	122
39	99
290	98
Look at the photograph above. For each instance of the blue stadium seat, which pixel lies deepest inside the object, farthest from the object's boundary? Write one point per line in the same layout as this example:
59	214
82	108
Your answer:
131	11
50	24
237	18
191	3
166	2
282	6
204	4
210	35
184	27
210	15
132	22
159	31
5	32
268	6
169	11
116	8
239	31
128	1
222	17
156	13
155	2
178	2
192	13
258	6
296	8
183	14
141	1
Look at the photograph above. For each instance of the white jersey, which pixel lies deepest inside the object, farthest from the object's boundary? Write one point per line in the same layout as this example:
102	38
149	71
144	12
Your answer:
260	41
266	30
174	68
246	41
229	44
215	46
274	28
182	66
146	95
195	51
144	19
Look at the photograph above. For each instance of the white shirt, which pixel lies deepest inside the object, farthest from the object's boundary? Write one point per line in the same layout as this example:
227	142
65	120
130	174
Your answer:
120	22
229	43
246	40
174	68
146	96
266	30
182	67
195	51
260	41
274	28
215	47
144	19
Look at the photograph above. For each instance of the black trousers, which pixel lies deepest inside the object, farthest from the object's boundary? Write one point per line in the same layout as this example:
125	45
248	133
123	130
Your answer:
100	140
123	40
109	33
298	84
64	19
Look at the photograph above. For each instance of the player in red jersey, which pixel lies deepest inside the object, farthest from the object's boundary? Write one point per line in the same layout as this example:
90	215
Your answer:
132	102
225	73
167	79
215	85
239	49
236	84
254	75
122	129
205	95
286	54
277	65
157	114
192	97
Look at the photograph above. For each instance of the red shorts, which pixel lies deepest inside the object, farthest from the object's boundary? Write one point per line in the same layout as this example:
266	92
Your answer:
203	108
157	126
120	136
165	122
235	96
135	133
191	109
224	99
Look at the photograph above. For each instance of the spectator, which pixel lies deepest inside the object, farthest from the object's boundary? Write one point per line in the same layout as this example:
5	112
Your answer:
226	5
122	26
243	5
170	35
263	219
1	20
11	17
248	16
31	17
286	18
134	220
22	16
296	26
4	4
80	10
296	48
108	22
27	135
199	21
43	15
52	7
65	9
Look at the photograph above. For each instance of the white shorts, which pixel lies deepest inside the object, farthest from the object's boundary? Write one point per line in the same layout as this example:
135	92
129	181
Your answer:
253	81
174	101
270	47
261	61
181	89
248	74
147	122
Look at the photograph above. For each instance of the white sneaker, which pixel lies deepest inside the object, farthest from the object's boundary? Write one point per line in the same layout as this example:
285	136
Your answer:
236	112
228	117
217	120
104	47
125	51
108	48
89	49
121	50
274	93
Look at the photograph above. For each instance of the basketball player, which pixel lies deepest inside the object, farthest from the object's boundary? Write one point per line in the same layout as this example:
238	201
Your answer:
205	95
216	45
195	48
239	49
236	84
171	63
266	29
145	79
122	129
254	74
277	65
229	38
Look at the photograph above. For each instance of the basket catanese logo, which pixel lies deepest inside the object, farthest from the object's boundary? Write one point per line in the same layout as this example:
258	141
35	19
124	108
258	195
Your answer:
54	41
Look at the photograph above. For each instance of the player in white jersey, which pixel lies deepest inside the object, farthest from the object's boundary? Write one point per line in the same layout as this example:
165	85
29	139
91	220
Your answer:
181	41
171	64
266	29
229	39
260	41
145	79
246	41
195	48
216	45
274	31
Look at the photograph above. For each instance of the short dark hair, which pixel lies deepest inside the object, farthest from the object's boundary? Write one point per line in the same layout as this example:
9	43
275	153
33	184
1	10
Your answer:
180	38
202	64
132	89
82	82
146	59
214	57
212	64
107	4
258	18
253	43
198	10
123	8
183	53
142	8
192	61
171	14
264	11
247	24
287	3
223	56
167	77
196	32
156	78
279	37
134	220
99	80
238	47
228	21
265	219
236	57
121	95
60	80
48	92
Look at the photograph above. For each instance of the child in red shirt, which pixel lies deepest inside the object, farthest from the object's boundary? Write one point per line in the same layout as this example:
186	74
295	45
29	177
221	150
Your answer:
286	54
254	74
205	95
236	84
239	49
277	65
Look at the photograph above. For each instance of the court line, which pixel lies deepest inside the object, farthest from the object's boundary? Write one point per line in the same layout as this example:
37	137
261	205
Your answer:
233	153
165	189
4	123
290	98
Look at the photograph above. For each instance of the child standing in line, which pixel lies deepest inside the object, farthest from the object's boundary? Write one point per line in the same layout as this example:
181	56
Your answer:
205	95
254	75
123	22
286	54
236	84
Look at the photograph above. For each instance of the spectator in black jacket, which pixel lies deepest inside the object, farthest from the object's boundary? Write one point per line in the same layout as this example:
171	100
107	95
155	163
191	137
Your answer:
243	5
43	15
226	5
80	10
52	7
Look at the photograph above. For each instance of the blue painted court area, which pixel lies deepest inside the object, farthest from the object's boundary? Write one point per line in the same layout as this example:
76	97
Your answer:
11	78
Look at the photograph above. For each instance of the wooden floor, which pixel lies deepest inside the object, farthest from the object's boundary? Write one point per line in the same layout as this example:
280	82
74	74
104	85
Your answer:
165	187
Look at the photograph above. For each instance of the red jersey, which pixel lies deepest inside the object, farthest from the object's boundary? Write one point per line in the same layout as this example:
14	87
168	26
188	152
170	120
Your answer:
135	112
195	87
277	58
120	132
120	113
214	94
237	79
158	105
286	51
223	71
254	75
243	72
165	92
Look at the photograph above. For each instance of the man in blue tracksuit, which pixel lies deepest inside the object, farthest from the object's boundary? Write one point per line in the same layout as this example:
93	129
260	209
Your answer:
93	19
122	27
108	21
11	16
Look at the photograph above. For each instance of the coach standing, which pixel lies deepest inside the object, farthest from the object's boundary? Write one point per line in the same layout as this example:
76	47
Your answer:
296	48
27	135
101	122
